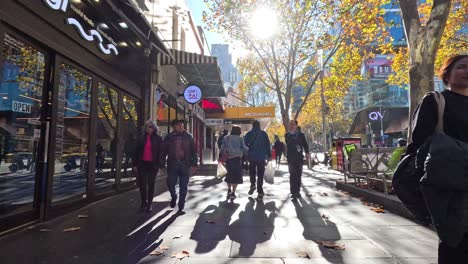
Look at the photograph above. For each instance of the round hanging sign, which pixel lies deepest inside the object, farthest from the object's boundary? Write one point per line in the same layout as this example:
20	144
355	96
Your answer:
192	94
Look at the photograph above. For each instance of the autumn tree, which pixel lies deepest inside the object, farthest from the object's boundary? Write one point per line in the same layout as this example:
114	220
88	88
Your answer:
289	58
425	52
423	35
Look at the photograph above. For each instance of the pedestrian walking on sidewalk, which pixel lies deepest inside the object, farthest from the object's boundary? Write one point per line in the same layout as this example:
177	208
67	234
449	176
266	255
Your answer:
234	146
278	146
451	206
259	155
179	148
146	163
296	146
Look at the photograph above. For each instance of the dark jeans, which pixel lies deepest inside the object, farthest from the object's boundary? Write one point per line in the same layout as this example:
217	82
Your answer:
295	174
178	171
146	176
257	168
278	158
458	254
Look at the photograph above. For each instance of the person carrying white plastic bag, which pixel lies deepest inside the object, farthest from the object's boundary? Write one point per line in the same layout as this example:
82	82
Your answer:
221	171
269	175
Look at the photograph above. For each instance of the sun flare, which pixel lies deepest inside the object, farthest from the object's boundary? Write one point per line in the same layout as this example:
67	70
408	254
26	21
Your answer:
264	23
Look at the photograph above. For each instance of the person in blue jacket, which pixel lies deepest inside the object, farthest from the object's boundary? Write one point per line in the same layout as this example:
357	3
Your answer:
259	155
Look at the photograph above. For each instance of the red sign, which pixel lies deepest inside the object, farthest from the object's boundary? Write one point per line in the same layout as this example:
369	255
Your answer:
379	67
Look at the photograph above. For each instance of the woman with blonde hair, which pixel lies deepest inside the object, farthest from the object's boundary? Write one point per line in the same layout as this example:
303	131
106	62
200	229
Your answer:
146	163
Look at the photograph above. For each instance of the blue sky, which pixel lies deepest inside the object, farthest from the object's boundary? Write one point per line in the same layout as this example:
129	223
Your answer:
196	8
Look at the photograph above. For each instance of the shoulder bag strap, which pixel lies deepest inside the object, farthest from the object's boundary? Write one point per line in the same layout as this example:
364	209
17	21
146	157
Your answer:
440	114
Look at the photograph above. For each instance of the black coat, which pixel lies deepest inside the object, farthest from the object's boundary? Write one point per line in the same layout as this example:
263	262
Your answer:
156	144
449	207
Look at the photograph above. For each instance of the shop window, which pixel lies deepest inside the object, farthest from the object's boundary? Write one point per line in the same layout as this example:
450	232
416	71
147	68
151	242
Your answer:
106	137
71	150
162	117
130	132
21	87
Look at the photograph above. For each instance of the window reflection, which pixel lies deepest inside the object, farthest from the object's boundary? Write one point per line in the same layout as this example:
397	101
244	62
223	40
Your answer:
71	151
129	136
21	87
106	137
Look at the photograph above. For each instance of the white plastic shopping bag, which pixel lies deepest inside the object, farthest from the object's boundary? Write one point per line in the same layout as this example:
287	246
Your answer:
221	170
269	175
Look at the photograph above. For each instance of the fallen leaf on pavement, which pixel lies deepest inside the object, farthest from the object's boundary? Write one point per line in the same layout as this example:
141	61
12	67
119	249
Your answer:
326	217
71	229
177	236
310	195
156	253
324	194
378	210
332	245
164	247
210	222
82	216
44	230
181	255
303	254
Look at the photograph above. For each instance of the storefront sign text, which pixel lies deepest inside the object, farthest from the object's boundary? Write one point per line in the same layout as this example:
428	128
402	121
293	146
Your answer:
89	35
375	115
214	122
21	107
193	94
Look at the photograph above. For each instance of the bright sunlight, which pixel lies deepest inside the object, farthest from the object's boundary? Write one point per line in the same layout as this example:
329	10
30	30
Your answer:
264	23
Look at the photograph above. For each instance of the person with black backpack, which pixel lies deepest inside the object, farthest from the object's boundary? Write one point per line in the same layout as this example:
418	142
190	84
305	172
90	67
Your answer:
259	155
448	207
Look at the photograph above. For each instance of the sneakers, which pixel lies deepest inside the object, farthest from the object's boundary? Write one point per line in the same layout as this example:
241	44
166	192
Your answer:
228	195
296	195
252	189
233	196
173	201
181	209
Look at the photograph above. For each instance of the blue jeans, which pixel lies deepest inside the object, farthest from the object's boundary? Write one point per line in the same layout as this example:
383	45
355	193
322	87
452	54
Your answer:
182	172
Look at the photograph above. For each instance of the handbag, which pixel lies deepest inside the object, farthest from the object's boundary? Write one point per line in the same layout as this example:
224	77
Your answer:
446	165
406	183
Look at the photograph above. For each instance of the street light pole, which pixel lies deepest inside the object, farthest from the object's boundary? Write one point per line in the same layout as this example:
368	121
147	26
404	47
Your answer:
381	126
324	135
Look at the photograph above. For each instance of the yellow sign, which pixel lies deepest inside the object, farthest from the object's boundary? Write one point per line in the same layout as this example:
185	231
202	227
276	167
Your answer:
245	113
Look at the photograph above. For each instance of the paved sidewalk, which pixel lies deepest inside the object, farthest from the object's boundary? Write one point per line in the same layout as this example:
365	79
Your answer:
214	230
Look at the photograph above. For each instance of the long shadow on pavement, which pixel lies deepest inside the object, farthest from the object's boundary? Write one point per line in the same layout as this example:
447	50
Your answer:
253	226
211	226
145	240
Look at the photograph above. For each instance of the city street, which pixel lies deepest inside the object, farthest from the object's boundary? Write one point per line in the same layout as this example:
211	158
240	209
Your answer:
324	226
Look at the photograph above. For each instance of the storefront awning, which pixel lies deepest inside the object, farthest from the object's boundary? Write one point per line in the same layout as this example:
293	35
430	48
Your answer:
200	70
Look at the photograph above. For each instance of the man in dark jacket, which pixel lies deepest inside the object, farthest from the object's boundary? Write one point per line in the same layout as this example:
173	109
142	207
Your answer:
221	137
296	144
179	148
259	154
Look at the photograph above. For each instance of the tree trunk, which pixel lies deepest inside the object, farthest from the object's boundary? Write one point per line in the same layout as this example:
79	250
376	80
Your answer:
423	43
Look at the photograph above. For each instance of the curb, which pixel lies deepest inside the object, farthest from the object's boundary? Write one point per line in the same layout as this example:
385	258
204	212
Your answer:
389	202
